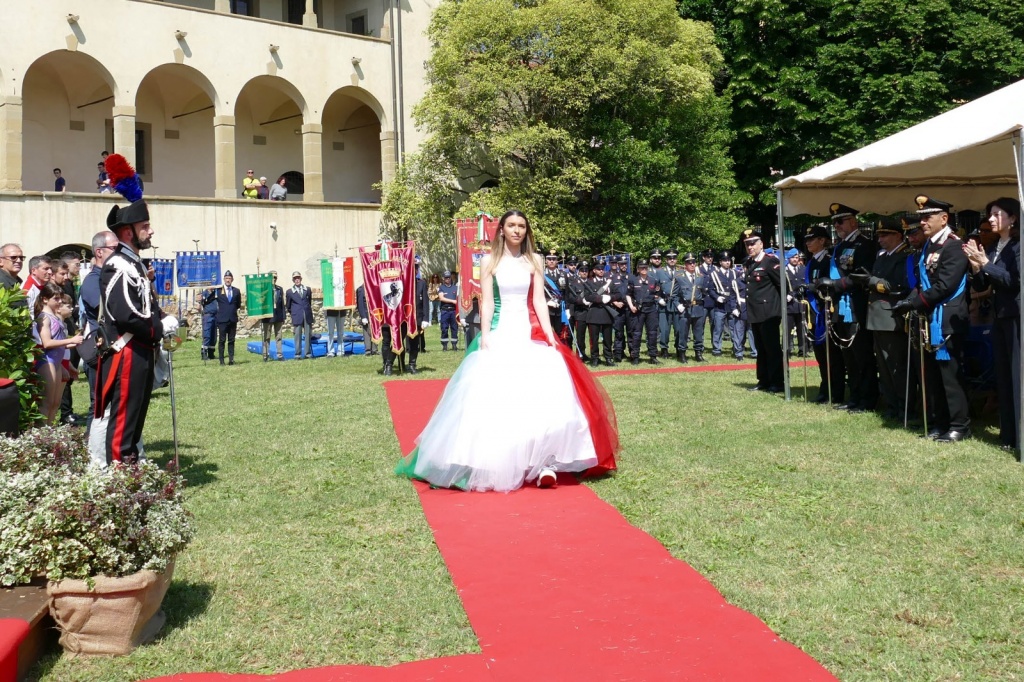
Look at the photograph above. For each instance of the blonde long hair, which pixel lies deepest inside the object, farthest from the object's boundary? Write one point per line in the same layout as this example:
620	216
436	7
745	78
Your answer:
528	247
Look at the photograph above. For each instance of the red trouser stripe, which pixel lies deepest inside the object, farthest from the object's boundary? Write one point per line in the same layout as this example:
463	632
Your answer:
121	418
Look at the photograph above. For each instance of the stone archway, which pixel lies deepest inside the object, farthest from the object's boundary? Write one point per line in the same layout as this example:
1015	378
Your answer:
352	156
175	107
269	117
67	100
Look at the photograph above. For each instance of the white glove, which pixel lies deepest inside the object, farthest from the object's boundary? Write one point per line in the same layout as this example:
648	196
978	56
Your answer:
736	313
424	325
606	298
365	321
169	324
789	298
679	307
552	303
720	299
661	301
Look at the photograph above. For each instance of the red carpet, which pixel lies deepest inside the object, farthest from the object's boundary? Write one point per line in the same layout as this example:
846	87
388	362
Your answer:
558	586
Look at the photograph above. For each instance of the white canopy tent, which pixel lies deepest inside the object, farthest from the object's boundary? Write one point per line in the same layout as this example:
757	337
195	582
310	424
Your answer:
967	156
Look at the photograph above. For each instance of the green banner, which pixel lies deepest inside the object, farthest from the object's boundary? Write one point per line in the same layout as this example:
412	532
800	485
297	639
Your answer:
327	282
259	295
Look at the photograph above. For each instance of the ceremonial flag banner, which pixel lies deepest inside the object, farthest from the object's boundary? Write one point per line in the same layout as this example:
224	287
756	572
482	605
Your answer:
198	268
338	281
164	283
475	236
259	296
389	281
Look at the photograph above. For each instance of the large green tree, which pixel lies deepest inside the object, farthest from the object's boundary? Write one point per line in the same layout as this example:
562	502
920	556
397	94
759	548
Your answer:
810	80
599	118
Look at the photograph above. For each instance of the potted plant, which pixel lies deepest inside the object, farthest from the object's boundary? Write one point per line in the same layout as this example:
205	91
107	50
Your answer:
105	538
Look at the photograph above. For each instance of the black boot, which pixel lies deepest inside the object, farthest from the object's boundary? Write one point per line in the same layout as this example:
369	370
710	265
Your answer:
664	352
412	368
655	361
682	356
595	362
387	369
699	356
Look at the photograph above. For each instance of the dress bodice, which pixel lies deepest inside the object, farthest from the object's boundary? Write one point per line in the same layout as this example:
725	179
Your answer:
512	287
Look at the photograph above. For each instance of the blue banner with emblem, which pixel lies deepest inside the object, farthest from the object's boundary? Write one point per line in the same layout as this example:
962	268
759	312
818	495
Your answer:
164	282
198	268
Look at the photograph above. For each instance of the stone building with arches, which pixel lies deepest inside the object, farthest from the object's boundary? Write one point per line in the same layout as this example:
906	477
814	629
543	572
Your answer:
196	92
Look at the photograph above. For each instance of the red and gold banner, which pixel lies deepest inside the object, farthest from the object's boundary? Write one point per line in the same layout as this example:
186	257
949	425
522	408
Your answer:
475	236
389	281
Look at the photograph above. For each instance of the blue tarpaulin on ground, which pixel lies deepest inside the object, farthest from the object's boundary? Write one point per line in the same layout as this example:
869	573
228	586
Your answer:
353	345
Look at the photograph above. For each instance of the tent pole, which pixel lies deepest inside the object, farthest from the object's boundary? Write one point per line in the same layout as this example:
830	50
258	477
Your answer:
1018	157
783	286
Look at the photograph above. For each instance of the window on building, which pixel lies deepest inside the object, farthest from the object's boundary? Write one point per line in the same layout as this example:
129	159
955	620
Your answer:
246	8
294	182
356	23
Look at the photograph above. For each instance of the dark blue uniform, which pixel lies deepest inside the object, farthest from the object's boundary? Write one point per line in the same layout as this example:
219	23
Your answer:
209	303
449	326
643	293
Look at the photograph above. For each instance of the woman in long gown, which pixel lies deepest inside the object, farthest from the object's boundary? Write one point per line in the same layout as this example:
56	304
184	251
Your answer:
521	406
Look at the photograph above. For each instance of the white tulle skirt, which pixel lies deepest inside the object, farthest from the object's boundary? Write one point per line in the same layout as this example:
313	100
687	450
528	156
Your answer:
509	411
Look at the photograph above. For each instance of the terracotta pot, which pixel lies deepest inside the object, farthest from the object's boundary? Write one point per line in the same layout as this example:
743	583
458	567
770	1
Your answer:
114	617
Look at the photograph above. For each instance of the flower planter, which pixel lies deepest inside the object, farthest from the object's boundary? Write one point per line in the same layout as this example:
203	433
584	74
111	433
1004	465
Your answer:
114	617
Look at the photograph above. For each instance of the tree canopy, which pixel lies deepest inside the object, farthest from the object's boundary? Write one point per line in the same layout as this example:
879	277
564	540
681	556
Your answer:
810	80
598	118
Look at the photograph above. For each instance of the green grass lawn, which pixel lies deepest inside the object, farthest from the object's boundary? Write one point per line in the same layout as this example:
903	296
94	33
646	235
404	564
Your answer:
882	555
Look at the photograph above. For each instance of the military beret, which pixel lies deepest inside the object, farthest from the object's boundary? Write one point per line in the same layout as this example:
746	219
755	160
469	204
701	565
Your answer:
926	204
840	211
790	253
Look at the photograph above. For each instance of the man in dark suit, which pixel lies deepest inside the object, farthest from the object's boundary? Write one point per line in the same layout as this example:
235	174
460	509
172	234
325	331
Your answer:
763	278
686	303
299	302
854	252
229	300
942	297
272	326
599	294
886	285
208	302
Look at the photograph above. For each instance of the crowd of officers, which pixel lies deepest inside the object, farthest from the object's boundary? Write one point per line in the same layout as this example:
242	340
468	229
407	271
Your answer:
617	311
886	318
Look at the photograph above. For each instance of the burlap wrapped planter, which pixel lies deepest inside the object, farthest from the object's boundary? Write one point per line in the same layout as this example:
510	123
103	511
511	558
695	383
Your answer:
112	618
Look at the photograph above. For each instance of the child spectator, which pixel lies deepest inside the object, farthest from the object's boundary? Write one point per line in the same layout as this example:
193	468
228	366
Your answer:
50	310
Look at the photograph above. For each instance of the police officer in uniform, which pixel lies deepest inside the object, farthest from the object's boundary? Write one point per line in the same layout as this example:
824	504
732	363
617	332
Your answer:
687	300
448	296
133	327
886	285
208	301
830	359
854	252
599	295
554	291
642	296
942	297
668	316
620	283
795	273
663	276
764	311
576	286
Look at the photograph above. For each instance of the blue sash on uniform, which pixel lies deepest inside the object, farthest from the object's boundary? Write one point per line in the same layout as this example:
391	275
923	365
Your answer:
845	311
819	329
911	272
561	299
935	325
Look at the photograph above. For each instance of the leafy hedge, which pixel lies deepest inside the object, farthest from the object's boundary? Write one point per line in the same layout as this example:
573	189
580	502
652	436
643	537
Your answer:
18	354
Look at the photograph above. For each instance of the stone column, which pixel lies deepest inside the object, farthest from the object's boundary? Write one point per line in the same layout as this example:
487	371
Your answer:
10	143
388	155
224	158
313	161
309	18
222	6
124	132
